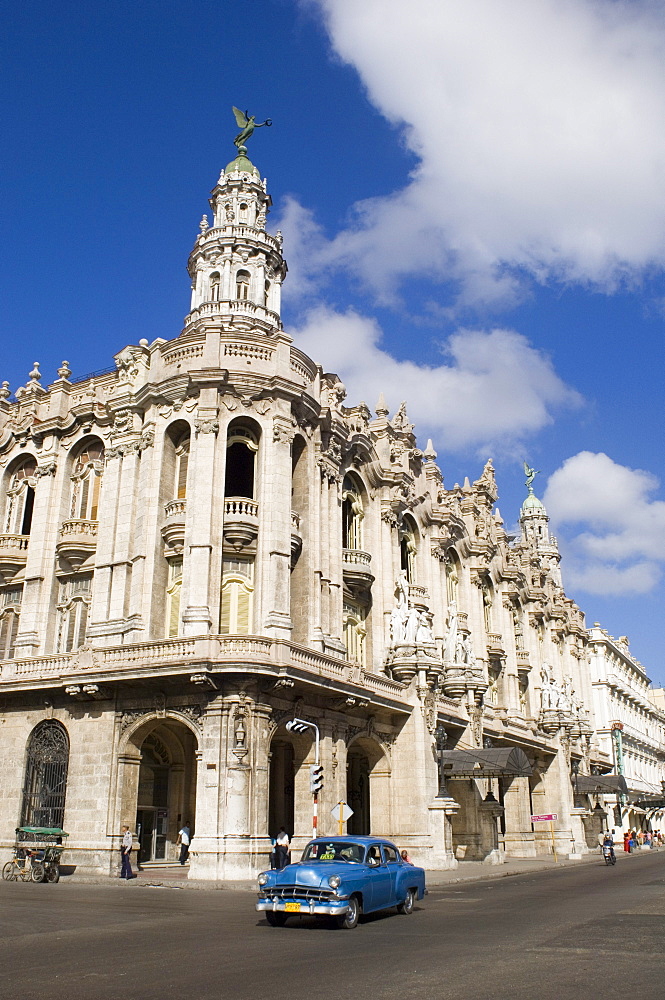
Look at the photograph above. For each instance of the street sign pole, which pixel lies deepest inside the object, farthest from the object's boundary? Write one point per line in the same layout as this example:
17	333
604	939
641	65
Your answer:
341	812
548	818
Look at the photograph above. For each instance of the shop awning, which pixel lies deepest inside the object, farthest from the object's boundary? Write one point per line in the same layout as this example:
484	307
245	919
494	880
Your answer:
509	762
600	784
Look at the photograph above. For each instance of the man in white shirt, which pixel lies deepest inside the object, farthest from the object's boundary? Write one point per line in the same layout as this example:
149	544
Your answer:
282	846
184	837
125	851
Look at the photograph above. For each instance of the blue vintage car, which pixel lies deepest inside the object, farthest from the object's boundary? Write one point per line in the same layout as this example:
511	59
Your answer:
341	877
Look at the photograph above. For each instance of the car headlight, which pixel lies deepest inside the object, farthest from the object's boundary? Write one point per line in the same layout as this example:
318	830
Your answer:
263	878
334	881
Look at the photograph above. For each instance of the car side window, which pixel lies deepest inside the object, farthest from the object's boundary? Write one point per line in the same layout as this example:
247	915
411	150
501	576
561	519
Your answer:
373	858
389	854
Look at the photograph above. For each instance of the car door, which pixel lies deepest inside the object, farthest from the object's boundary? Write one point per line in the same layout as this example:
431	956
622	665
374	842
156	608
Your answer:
392	862
379	878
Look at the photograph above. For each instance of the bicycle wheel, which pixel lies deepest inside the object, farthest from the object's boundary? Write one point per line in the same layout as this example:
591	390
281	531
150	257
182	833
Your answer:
8	872
37	872
53	872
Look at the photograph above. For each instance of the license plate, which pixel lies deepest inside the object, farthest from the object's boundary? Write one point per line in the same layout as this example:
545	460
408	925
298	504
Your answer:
292	907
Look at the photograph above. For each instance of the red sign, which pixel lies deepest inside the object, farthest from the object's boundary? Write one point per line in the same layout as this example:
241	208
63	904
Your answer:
546	818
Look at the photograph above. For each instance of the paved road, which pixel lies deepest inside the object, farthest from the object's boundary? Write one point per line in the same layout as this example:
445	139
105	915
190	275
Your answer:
587	931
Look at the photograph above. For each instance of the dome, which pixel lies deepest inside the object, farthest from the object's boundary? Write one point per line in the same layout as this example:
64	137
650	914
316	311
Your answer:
532	505
242	165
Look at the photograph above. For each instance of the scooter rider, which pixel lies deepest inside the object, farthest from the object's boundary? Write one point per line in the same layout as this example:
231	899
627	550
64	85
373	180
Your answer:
608	843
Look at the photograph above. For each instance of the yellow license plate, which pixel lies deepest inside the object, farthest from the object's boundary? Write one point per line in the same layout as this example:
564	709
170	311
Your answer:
292	907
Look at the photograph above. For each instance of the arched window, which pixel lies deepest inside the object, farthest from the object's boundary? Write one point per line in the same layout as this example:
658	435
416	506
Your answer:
86	481
242	285
408	549
243	215
181	467
173	591
241	447
236	599
215	286
73	608
10	614
266	293
354	632
21	498
45	782
352	515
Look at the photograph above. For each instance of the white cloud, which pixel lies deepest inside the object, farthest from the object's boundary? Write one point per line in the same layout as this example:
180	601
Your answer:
614	531
538	127
493	390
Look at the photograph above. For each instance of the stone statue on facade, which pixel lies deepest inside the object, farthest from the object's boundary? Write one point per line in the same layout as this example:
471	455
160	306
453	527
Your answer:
450	644
247	123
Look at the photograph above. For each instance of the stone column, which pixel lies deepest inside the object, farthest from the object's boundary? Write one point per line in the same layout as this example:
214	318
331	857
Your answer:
40	566
519	840
275	516
108	512
205	857
197	574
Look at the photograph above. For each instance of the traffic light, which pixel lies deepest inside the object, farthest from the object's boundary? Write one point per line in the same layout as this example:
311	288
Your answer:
315	778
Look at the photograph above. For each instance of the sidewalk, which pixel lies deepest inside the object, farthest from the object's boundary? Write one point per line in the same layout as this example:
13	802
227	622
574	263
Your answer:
467	871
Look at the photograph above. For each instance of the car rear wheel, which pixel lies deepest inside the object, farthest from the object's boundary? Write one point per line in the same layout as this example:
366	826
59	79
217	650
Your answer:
275	919
407	905
350	919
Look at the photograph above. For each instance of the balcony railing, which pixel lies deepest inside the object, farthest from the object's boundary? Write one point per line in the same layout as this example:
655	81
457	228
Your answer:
357	566
183	654
241	522
173	529
13	552
77	541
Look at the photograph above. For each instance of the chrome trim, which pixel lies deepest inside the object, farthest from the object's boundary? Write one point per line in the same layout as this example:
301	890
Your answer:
307	907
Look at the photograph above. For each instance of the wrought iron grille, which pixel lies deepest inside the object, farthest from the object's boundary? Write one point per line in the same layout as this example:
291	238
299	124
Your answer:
45	784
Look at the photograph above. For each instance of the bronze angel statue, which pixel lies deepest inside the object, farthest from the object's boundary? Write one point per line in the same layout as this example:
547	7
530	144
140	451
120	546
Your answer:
247	123
530	475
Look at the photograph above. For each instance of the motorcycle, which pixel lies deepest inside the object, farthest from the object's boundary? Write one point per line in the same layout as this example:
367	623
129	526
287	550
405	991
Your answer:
609	855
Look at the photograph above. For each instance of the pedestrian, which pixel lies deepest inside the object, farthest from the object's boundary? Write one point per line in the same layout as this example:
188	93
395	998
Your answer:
125	852
184	839
626	841
282	848
405	857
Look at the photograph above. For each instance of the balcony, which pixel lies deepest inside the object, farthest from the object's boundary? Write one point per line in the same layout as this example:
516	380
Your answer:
296	536
357	567
419	596
173	529
78	540
495	644
13	553
523	665
241	522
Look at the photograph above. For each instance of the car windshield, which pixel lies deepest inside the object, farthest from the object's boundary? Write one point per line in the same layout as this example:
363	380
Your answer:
334	850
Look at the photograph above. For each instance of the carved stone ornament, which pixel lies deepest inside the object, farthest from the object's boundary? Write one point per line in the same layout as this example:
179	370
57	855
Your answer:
47	469
206	425
282	431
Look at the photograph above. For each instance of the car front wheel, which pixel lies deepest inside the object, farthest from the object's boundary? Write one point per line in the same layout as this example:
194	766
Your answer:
407	905
350	918
275	919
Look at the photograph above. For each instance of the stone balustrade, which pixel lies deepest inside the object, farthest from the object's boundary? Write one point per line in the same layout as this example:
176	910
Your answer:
13	552
77	540
173	656
357	566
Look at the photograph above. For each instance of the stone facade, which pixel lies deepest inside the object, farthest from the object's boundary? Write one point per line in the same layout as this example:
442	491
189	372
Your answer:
630	726
206	542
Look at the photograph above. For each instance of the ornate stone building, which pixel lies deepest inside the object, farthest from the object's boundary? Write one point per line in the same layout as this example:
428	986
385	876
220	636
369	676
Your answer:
630	729
206	541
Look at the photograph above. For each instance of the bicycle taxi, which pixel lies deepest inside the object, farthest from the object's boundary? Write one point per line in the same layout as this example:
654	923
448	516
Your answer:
37	851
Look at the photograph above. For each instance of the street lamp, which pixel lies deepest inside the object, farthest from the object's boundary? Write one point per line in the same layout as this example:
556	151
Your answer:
441	737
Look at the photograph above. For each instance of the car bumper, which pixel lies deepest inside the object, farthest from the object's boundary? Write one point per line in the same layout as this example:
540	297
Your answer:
329	908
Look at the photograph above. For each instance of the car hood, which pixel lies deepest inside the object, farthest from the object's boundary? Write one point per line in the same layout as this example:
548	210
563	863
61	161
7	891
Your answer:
315	874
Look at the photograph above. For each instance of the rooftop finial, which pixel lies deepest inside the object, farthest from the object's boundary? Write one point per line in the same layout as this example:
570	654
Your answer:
530	476
247	123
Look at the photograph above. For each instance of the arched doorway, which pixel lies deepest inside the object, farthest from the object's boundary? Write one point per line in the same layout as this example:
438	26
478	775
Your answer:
159	786
368	788
289	798
282	776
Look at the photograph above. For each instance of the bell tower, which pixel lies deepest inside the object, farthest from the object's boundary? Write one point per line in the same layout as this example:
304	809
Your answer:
236	267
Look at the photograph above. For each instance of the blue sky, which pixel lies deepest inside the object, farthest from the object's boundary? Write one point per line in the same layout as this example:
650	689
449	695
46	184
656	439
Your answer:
473	206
